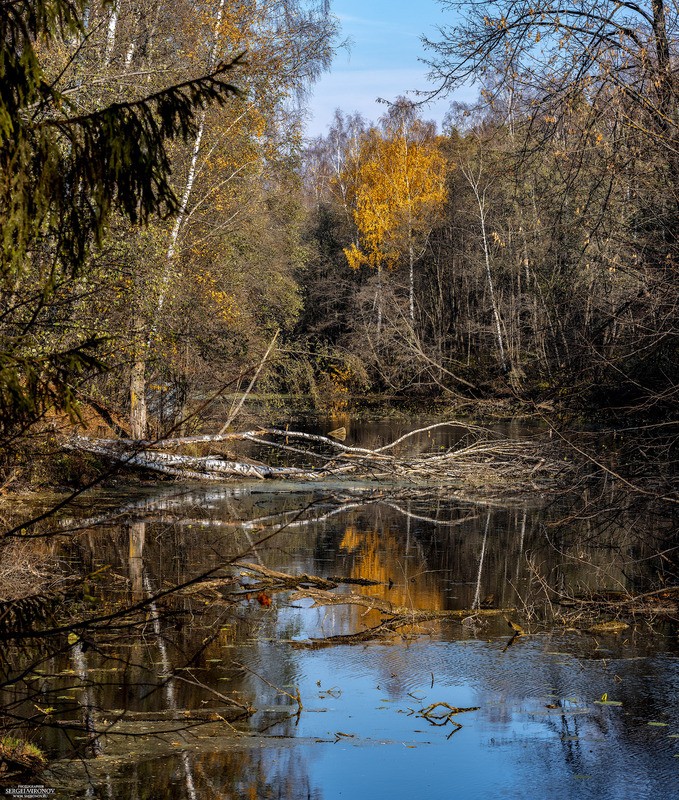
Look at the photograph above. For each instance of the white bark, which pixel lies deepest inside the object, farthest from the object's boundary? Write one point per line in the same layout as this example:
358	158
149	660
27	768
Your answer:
138	392
190	467
474	181
111	34
190	178
485	462
411	264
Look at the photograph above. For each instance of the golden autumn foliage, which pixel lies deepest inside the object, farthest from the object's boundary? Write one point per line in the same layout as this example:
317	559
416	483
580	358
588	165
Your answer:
399	193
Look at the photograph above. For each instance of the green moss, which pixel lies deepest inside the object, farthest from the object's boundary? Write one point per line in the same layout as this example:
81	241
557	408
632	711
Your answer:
20	756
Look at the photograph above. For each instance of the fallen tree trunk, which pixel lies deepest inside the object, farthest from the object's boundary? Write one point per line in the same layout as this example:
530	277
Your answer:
481	459
191	467
320	591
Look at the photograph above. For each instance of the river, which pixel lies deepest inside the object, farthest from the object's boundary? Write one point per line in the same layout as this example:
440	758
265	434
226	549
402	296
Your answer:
453	708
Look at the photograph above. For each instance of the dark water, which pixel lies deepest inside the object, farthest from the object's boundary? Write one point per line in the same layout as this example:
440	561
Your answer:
539	729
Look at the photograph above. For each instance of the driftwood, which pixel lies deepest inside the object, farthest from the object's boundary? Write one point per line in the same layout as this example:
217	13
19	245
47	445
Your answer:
482	459
441	714
320	591
252	579
661	603
279	581
398	616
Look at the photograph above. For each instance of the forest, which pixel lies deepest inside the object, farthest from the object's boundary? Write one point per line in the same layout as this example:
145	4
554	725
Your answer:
165	224
182	270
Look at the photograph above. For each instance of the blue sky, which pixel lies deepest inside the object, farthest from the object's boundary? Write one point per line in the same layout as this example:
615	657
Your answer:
382	60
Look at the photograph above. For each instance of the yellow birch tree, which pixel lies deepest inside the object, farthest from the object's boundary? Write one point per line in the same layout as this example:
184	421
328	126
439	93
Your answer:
400	190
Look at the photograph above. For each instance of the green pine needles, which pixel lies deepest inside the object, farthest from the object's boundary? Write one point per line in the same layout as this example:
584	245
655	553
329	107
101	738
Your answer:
63	174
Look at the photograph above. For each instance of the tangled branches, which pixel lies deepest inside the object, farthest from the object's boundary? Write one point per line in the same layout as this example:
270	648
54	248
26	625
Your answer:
481	460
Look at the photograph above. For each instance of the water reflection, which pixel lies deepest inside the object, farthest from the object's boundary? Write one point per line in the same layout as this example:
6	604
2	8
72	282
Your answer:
137	536
158	700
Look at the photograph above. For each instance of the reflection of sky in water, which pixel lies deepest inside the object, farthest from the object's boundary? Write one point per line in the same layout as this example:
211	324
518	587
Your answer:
359	735
512	747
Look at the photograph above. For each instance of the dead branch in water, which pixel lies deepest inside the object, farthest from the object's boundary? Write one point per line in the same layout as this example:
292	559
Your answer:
604	611
398	616
662	603
319	590
270	579
481	459
441	714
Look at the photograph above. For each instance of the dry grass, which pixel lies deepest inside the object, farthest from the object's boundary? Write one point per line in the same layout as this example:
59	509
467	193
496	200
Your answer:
26	569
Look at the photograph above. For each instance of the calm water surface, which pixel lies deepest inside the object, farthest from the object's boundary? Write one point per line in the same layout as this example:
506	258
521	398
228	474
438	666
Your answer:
537	730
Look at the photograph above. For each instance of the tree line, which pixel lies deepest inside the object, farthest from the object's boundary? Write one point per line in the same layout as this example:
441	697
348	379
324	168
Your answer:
164	221
533	250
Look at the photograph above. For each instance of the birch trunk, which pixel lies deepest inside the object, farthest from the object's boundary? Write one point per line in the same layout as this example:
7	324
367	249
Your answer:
111	34
138	377
379	299
411	264
474	182
138	414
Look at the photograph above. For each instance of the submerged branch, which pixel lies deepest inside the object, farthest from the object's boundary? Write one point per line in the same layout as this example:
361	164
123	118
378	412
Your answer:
319	590
482	460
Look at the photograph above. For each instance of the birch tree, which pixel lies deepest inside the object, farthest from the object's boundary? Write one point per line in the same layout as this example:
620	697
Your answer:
233	155
69	164
400	191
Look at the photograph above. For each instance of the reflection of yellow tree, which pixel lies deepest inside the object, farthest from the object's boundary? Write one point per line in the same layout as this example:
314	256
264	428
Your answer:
382	556
399	191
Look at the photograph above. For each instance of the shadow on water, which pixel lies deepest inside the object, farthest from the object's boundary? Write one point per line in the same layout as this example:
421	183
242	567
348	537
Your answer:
157	706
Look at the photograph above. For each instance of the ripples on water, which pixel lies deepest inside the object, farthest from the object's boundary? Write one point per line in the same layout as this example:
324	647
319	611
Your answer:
537	733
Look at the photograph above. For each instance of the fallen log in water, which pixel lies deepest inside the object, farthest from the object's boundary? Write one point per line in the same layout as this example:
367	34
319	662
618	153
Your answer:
480	459
136	454
320	591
